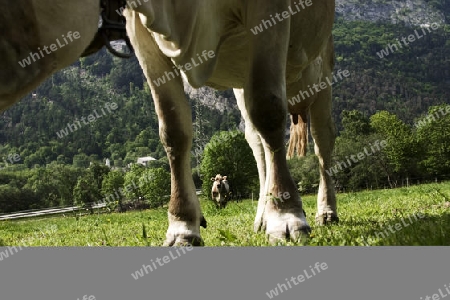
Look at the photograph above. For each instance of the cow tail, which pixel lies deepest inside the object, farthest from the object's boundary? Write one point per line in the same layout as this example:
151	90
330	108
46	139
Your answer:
298	135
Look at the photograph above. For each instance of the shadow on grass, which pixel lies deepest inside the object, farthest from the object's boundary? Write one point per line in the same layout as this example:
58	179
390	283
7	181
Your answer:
401	230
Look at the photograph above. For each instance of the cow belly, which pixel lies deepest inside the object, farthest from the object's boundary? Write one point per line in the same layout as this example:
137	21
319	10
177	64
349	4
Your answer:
231	67
304	47
18	37
18	68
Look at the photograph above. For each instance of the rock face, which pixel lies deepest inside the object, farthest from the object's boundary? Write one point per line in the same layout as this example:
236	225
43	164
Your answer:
409	12
219	100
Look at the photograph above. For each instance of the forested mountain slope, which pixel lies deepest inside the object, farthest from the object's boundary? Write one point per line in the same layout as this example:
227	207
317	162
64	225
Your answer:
404	82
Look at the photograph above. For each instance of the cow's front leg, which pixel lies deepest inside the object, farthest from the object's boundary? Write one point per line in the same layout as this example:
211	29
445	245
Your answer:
175	130
280	212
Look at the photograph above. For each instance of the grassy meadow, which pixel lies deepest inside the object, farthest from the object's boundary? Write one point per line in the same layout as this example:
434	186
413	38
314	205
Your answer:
368	218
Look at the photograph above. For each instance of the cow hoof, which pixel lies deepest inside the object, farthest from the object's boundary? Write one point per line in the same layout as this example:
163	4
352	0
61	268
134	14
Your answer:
183	240
327	218
280	226
181	233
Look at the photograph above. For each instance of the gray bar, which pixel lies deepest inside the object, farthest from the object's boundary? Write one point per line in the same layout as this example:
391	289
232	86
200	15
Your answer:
225	273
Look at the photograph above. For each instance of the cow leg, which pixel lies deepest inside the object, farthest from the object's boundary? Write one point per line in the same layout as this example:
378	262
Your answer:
175	130
323	132
256	144
265	102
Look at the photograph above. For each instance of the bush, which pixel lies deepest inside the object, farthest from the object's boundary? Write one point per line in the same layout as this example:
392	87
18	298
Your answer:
228	153
112	189
86	192
305	172
155	186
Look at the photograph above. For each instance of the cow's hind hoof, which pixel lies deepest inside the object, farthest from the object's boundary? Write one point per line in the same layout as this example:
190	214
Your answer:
327	218
183	240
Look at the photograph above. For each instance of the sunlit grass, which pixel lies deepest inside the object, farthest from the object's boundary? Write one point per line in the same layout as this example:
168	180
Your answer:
363	217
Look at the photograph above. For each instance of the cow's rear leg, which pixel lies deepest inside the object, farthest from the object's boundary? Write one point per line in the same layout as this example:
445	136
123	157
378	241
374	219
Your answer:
280	212
323	132
175	130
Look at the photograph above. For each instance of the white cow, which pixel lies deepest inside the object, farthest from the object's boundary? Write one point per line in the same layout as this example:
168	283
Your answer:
267	51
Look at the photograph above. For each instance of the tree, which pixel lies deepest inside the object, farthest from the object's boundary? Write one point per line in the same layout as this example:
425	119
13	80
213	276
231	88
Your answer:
200	137
355	124
131	180
433	133
155	186
98	173
305	172
67	177
13	198
86	192
401	148
80	160
357	137
228	153
42	183
112	189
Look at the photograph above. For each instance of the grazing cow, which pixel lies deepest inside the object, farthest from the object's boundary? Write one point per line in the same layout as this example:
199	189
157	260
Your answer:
220	190
267	51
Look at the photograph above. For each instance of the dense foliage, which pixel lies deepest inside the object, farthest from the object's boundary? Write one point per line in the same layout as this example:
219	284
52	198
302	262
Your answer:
405	83
47	146
411	154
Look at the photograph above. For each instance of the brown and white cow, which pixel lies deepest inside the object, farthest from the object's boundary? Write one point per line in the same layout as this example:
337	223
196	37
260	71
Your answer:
208	42
220	191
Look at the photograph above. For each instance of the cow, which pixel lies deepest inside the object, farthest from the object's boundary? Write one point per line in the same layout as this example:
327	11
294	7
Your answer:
267	51
220	191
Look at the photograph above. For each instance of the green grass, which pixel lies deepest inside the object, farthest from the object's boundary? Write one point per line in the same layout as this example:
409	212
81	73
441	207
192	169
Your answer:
362	216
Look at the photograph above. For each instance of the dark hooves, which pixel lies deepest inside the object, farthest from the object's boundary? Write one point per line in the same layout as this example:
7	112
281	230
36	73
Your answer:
326	219
203	222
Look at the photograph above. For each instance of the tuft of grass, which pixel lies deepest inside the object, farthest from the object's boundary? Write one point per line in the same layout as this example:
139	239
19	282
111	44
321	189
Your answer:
366	219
